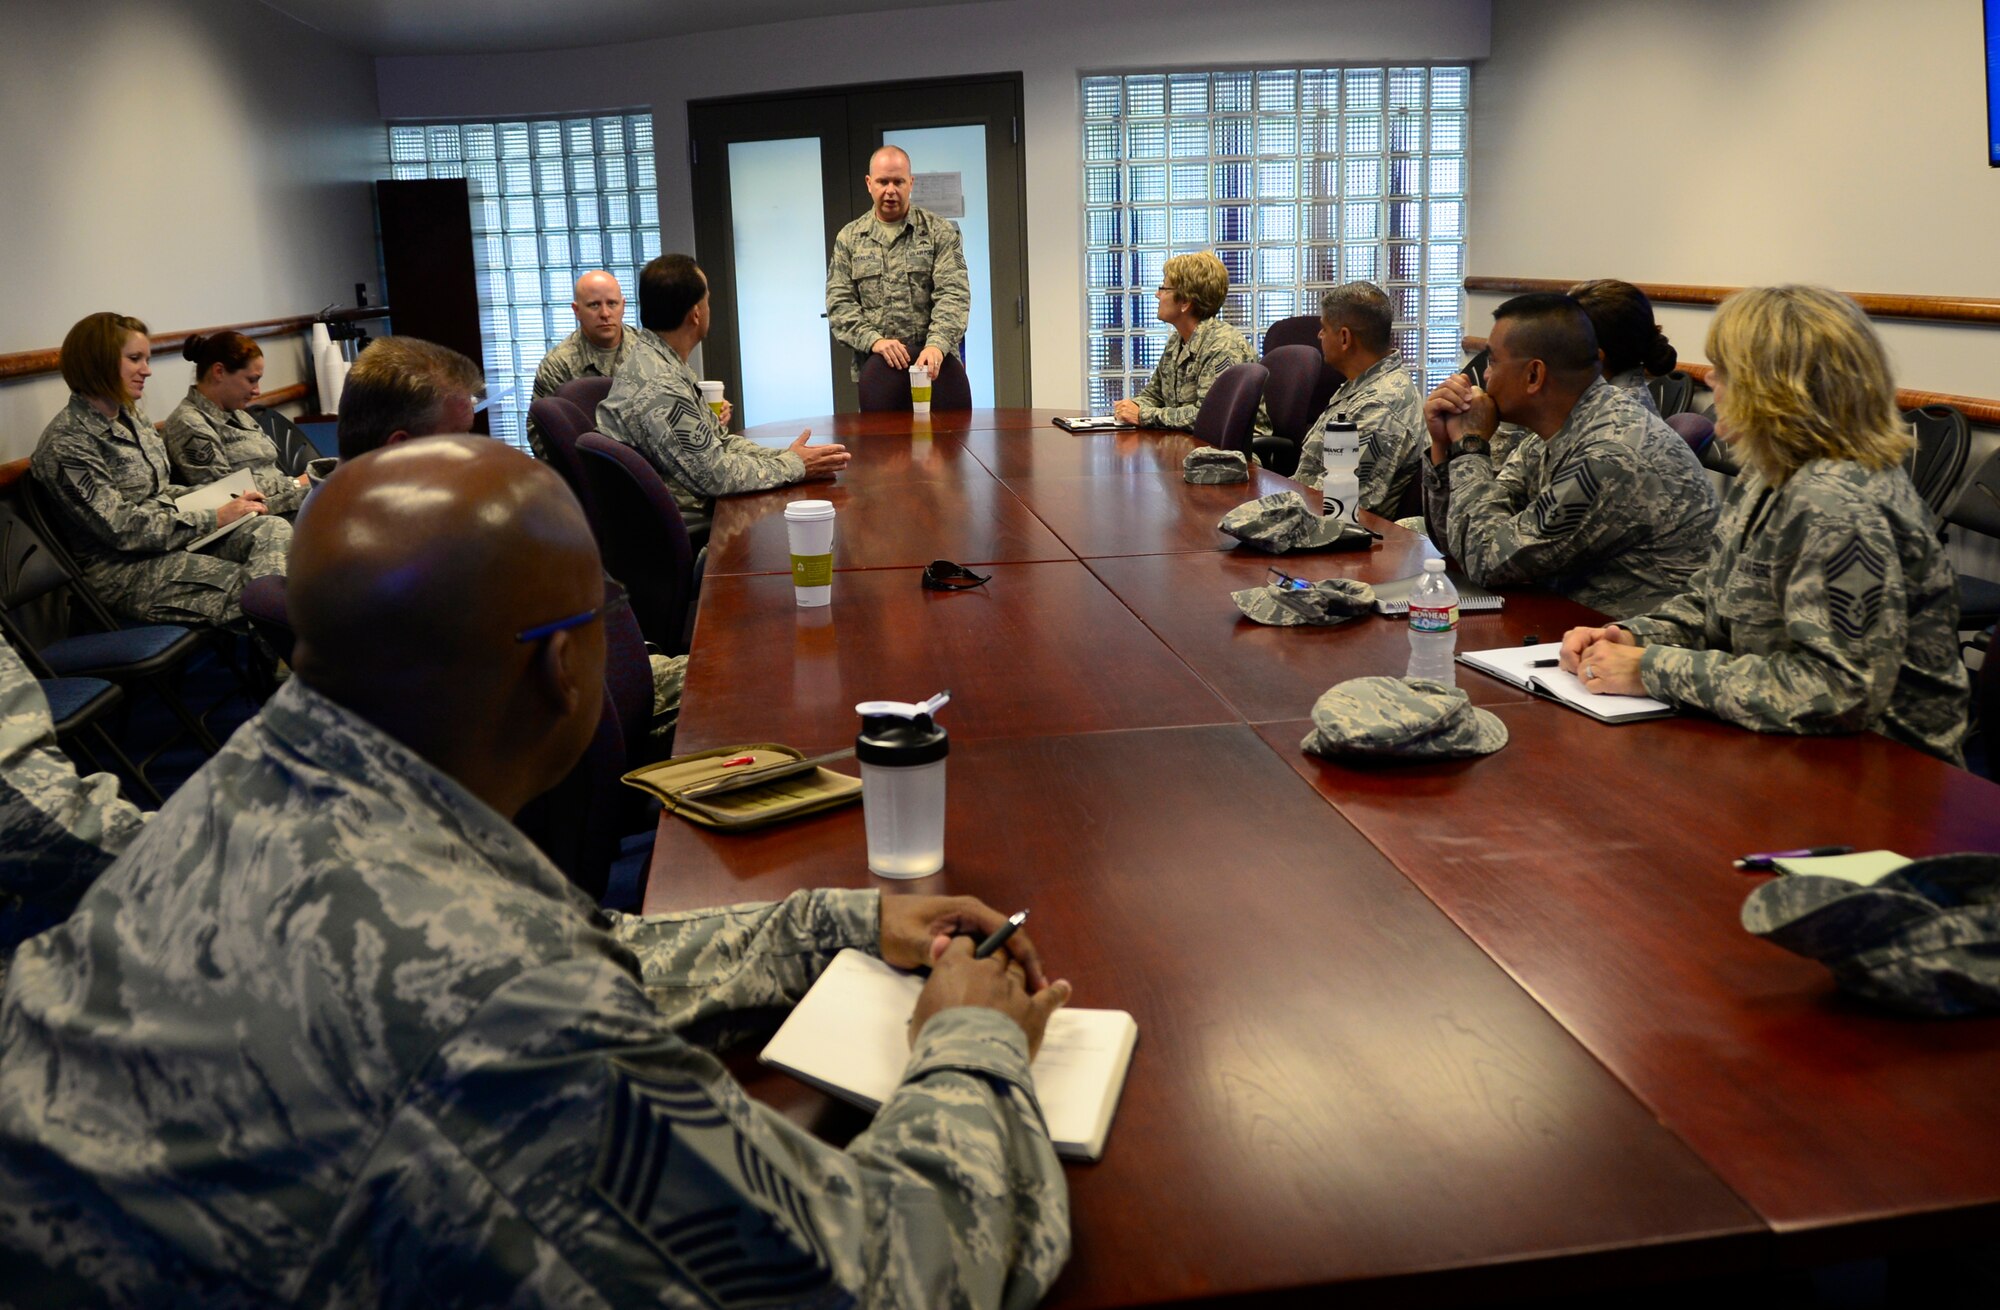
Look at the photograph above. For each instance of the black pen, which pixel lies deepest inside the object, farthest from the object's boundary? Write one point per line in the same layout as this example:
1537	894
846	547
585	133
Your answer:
999	938
1761	861
1544	664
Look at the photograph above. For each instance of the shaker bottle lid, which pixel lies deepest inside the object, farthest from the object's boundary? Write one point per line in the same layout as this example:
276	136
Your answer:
1433	566
809	510
900	734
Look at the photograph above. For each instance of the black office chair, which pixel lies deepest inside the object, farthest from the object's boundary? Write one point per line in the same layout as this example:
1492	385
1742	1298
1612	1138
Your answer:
77	710
1977	509
1674	393
1475	368
1944	440
295	448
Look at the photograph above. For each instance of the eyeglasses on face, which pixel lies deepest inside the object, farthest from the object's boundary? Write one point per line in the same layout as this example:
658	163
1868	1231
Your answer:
615	599
943	575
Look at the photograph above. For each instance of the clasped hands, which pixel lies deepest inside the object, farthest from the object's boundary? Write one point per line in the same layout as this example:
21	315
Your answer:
940	932
897	355
1458	408
1606	660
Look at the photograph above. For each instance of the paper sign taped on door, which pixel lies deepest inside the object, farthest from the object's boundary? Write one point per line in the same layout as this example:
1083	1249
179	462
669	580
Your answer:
941	193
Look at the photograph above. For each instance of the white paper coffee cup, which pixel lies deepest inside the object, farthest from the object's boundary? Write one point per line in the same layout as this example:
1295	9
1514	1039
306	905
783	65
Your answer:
920	389
809	524
712	395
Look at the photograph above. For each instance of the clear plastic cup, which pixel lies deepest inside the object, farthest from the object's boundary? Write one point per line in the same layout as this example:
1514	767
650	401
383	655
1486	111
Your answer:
920	390
809	524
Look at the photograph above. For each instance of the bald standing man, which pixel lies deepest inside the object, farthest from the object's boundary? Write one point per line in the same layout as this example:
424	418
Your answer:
897	285
602	342
366	1045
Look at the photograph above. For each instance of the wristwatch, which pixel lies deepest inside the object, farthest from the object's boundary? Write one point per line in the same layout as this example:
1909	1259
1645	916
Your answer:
1471	443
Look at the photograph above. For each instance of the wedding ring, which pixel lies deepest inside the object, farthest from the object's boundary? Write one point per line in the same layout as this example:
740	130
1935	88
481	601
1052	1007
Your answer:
1590	673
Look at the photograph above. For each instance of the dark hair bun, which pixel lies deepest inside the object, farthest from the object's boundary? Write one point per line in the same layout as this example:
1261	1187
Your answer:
191	348
1660	356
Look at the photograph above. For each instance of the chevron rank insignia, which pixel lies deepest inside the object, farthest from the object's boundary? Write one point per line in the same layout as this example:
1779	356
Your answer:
730	1224
1855	588
1566	500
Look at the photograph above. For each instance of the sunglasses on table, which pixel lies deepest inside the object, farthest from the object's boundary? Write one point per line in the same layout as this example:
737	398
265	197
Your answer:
615	599
1287	582
943	575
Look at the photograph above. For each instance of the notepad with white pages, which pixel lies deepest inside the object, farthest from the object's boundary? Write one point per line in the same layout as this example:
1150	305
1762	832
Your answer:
1089	423
849	1037
1394	597
215	495
1516	664
1864	868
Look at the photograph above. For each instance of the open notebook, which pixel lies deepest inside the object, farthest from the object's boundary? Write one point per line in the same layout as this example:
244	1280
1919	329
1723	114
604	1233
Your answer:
215	495
1086	423
849	1038
1515	664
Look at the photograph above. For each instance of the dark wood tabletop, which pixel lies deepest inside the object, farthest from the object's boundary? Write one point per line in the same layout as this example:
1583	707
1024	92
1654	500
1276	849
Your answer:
1440	1033
839	427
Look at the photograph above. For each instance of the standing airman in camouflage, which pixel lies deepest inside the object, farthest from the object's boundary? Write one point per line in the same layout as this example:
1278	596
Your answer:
57	831
1190	295
660	412
368	1046
1378	397
897	285
1609	507
107	473
598	348
1828	604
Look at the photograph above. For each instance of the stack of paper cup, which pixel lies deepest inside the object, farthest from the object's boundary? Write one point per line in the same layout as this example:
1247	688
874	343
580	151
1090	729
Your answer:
711	395
809	523
920	389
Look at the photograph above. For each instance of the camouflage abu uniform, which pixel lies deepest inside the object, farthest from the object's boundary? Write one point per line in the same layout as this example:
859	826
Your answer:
57	831
206	443
1187	369
1827	606
114	492
1612	511
367	1047
1508	435
575	357
902	280
657	410
1383	403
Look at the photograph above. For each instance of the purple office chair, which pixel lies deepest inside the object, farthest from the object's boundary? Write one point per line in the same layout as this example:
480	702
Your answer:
1298	330
586	394
1696	429
643	538
1300	385
886	388
1228	414
562	422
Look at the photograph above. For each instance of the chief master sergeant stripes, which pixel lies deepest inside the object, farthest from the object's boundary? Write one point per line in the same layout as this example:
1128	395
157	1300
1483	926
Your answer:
367	1045
897	284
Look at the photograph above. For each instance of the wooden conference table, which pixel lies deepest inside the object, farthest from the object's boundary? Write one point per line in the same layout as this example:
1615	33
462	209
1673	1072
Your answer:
1413	1033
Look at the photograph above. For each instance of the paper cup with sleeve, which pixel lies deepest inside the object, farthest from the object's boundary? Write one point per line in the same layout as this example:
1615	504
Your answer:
809	523
1212	464
920	389
1282	522
1323	605
1400	719
1924	939
712	394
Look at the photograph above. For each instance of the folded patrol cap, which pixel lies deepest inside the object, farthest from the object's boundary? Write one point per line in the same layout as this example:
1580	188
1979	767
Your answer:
1213	464
1282	521
1323	604
1924	939
1400	718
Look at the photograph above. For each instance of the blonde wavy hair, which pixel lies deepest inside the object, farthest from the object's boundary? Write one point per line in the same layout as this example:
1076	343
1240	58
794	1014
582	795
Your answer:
1199	279
1805	379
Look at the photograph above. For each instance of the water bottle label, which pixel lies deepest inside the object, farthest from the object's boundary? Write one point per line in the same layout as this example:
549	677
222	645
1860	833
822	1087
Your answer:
1429	619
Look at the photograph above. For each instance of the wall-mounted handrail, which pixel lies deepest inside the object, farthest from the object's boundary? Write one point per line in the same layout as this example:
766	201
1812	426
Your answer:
30	363
1945	309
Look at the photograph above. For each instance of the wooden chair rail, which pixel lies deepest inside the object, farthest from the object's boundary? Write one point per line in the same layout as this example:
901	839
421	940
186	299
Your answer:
1948	309
30	363
1979	410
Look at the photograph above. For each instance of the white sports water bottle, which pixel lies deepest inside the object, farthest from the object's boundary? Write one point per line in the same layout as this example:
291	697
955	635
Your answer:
1433	625
1340	488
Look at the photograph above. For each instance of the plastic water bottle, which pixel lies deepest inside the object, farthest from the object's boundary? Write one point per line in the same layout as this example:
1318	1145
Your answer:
1434	625
1340	488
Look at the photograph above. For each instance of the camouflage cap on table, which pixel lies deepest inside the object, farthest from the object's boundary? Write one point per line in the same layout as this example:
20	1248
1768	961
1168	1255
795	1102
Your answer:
1214	464
1282	521
1925	938
1324	604
1402	718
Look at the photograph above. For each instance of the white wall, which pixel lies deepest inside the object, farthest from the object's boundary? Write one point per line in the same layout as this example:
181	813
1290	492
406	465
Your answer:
189	162
1050	42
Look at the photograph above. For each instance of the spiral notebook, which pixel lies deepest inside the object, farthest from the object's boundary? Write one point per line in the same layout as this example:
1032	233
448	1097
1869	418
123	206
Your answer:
1394	597
1516	664
849	1037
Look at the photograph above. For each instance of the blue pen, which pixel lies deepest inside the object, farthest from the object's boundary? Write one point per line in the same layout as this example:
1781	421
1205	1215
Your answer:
1761	861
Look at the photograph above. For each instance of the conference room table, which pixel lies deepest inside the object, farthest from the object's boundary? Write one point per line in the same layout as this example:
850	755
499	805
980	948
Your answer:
1412	1032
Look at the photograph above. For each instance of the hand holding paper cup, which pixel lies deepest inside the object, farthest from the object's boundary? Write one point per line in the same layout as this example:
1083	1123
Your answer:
712	396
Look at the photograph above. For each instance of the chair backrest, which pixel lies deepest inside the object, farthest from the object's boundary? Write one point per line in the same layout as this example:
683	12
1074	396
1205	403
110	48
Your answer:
263	602
1674	393
586	394
578	822
1698	430
1475	368
1298	330
886	388
643	538
1228	414
562	423
1299	387
1943	442
628	676
1978	506
295	449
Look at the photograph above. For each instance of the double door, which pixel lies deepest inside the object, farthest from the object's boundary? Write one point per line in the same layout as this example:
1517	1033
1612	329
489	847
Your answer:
777	177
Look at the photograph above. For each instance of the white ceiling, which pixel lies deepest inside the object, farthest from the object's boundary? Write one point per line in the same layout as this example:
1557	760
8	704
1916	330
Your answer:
413	27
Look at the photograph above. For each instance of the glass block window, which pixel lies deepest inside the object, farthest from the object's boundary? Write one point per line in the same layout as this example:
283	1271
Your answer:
551	199
1298	179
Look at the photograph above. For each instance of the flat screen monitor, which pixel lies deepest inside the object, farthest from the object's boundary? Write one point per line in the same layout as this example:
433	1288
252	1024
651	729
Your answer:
1993	83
